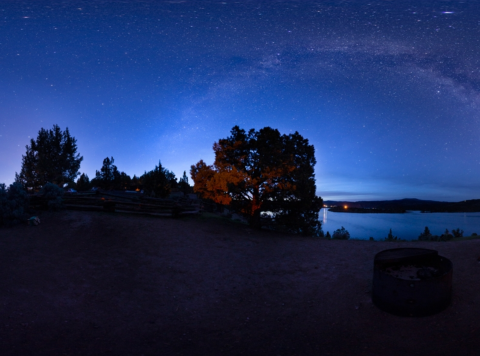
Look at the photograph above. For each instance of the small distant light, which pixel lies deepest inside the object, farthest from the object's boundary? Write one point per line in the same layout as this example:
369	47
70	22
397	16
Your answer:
447	12
345	207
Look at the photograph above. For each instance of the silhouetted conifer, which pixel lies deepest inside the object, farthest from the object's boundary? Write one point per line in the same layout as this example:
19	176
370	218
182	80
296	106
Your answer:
52	157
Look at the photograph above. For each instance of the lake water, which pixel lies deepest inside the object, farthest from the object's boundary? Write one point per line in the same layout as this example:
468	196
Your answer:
406	226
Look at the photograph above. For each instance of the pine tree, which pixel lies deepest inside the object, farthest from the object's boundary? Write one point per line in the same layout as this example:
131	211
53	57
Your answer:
122	181
107	174
135	183
158	182
83	183
183	184
425	235
52	157
390	236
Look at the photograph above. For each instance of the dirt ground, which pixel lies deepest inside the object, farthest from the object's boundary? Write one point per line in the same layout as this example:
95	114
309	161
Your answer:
104	284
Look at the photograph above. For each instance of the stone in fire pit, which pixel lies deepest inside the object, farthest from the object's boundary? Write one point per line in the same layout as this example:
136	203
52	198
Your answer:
411	281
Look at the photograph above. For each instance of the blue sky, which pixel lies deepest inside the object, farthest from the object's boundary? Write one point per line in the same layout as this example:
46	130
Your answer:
387	92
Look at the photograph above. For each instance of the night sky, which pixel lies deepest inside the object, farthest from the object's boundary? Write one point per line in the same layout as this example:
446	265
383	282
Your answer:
388	92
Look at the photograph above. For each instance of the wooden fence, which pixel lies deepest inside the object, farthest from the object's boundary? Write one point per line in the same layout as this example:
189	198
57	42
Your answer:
121	202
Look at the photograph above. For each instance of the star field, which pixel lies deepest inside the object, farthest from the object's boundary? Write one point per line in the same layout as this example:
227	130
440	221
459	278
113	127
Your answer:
388	92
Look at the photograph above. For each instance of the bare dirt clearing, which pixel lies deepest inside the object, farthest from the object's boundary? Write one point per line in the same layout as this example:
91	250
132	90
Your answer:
85	283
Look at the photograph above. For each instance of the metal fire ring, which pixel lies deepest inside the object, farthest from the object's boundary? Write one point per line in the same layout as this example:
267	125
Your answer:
411	281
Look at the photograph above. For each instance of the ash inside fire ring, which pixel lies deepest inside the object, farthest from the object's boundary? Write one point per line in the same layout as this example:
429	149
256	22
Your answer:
412	272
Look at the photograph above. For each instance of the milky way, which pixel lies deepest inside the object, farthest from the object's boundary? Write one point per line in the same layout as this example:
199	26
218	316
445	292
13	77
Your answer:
388	92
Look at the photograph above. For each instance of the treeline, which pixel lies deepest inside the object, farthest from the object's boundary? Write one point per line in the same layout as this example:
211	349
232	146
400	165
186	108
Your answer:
53	158
159	182
51	164
426	235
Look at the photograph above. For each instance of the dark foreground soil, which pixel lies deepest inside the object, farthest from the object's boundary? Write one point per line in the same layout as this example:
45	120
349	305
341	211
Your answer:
104	284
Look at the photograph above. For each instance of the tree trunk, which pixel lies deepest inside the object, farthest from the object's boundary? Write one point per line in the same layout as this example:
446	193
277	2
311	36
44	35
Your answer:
255	221
255	217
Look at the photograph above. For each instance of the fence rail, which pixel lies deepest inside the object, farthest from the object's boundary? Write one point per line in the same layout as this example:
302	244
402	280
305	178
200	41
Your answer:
122	202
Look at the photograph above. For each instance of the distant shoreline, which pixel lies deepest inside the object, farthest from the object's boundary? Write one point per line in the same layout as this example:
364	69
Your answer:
366	211
393	211
403	205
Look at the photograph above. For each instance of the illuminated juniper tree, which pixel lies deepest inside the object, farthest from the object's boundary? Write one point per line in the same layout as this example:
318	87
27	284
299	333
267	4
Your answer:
263	171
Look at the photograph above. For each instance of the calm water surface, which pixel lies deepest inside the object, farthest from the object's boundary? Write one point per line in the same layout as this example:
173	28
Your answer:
406	226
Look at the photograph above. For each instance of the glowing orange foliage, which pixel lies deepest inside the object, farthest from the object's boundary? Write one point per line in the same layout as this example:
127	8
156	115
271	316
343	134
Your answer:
257	171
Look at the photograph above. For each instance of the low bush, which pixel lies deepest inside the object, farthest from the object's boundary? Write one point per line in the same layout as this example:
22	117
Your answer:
318	232
457	233
53	193
13	204
341	234
446	236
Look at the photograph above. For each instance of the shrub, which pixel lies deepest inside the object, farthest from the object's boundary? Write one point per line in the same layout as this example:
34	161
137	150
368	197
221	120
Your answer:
328	236
318	231
457	233
4	208
53	193
446	236
13	204
390	237
341	234
425	235
474	234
